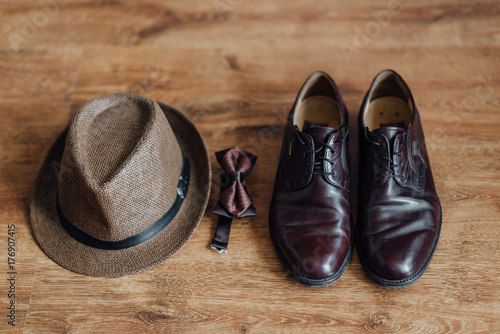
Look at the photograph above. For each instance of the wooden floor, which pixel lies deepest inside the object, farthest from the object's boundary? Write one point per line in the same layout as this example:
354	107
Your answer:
234	68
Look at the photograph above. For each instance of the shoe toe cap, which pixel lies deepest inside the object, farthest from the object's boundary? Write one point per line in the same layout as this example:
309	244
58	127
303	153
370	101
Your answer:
400	258
317	257
393	266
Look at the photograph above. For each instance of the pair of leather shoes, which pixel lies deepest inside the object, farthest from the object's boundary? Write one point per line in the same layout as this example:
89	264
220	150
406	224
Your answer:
399	215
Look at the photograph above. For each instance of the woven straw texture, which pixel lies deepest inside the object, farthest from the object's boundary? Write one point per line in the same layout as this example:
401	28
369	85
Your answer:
116	168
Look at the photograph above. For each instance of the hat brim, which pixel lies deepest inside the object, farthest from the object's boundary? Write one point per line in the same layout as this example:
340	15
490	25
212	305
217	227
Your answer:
86	260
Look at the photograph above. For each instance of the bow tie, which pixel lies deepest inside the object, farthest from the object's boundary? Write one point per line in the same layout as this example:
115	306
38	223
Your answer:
234	200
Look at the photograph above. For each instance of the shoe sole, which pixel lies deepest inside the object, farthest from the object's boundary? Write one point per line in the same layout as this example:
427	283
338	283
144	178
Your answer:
395	284
315	283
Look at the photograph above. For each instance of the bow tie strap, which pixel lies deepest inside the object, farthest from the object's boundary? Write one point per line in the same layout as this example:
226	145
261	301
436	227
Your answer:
234	201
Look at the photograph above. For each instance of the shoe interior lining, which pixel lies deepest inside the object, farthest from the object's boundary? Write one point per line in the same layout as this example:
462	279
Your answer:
317	104
318	111
388	111
389	103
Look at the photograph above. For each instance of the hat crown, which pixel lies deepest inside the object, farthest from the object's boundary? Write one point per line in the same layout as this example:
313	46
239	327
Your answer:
120	167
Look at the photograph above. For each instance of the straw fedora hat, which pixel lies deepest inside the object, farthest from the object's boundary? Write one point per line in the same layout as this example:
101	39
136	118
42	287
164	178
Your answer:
122	188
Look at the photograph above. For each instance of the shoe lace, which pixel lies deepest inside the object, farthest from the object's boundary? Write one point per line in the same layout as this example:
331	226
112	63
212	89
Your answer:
390	170
318	147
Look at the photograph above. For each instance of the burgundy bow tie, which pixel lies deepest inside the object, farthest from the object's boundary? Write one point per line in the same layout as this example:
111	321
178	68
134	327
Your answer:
234	200
236	165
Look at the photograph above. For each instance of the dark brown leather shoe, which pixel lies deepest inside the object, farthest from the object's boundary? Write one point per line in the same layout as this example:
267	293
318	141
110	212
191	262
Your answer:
310	218
399	216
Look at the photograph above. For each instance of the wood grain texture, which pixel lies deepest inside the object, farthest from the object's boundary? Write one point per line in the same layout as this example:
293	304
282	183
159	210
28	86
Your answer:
234	68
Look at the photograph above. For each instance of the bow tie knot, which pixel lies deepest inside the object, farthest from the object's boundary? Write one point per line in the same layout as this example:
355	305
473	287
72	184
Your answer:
228	178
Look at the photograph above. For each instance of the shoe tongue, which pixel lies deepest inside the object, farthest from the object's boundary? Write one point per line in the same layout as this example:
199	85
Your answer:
390	132
319	133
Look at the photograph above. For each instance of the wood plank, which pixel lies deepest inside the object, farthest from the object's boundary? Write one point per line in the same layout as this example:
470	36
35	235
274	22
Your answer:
235	71
244	23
